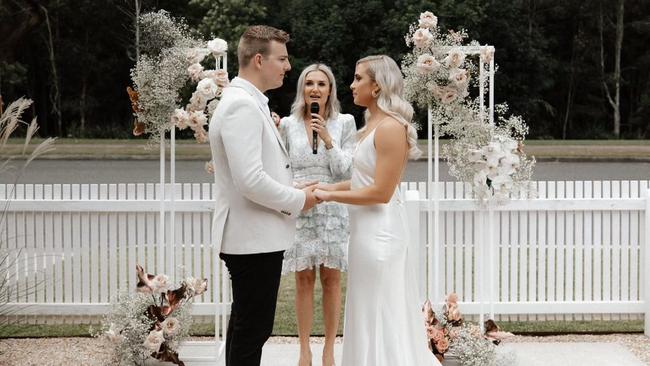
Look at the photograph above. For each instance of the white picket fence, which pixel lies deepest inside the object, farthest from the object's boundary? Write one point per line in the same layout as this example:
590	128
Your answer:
578	251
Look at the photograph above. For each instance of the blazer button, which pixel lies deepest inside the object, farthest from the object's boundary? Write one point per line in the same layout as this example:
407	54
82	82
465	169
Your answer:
287	166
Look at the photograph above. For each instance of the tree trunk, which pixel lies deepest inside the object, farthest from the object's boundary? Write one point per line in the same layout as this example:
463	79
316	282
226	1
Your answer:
83	93
571	91
614	102
55	96
137	29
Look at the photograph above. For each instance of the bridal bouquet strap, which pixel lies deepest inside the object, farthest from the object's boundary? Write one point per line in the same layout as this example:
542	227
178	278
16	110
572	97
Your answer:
440	72
151	322
172	61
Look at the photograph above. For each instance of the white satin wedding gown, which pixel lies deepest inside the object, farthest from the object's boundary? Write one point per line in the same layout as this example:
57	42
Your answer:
383	325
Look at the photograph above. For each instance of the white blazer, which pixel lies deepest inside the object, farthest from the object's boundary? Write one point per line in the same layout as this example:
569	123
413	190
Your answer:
256	205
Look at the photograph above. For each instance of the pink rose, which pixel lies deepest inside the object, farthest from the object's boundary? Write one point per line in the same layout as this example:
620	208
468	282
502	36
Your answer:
458	76
437	334
455	58
427	64
180	119
196	55
197	120
195	71
448	95
201	137
487	53
209	167
442	345
422	37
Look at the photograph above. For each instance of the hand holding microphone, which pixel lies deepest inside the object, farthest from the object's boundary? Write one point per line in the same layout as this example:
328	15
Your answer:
314	108
319	129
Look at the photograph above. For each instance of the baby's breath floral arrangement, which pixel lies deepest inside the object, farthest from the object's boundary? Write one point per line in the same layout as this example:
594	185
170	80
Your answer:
173	60
151	322
450	335
438	76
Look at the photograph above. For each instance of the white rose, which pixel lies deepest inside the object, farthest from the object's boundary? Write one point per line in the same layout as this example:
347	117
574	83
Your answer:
422	37
428	20
200	285
171	326
180	118
196	55
487	53
455	58
197	102
218	47
509	164
208	88
458	76
510	145
160	283
502	183
427	64
154	340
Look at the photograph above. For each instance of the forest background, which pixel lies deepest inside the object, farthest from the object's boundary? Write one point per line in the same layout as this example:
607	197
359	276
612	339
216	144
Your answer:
574	69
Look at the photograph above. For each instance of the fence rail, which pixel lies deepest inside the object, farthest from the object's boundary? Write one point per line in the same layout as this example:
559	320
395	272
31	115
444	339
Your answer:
577	251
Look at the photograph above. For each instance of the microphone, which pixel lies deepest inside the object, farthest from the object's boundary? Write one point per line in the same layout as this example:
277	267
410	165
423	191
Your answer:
314	107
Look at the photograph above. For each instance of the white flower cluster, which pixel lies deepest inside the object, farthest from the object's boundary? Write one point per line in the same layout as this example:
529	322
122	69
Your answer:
473	349
496	163
208	90
438	75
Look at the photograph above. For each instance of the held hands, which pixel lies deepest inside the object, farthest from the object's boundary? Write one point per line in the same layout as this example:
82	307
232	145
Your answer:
322	196
310	199
318	125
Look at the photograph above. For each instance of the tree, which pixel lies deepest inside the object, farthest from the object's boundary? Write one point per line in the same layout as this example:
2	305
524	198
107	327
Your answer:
614	102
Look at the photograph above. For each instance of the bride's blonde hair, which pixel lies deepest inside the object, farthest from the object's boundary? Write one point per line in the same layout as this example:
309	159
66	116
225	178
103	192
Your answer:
384	71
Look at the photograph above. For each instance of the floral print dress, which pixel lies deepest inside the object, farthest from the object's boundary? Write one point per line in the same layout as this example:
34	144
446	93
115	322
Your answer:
322	233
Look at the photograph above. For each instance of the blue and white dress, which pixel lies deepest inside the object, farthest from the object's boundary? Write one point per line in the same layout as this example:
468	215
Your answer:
322	233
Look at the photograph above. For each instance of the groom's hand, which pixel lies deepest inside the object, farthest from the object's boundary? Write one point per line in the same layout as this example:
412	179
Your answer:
310	199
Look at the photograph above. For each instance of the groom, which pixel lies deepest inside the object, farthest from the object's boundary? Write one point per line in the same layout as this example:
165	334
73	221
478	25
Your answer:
256	206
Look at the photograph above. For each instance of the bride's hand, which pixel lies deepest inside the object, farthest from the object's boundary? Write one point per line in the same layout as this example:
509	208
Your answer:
326	187
321	195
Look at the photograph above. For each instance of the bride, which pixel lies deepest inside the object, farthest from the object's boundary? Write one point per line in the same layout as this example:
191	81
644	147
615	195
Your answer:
383	319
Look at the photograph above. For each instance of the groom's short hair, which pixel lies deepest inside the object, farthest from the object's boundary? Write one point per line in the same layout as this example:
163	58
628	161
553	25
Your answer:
256	39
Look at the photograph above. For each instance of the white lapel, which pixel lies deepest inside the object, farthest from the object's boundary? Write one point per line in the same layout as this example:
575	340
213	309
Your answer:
236	82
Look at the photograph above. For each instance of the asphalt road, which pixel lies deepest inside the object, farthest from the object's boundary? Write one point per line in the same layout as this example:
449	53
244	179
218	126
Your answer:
147	171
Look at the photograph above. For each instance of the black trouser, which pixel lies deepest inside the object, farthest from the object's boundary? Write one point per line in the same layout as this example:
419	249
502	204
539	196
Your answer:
255	282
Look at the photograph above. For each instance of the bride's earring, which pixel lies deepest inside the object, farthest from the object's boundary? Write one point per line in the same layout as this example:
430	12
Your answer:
375	94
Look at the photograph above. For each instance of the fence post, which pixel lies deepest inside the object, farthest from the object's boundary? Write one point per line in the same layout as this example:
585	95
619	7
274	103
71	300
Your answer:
646	265
417	251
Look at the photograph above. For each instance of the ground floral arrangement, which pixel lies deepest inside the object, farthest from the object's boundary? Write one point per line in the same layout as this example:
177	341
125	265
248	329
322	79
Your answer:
174	61
438	76
151	322
449	336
